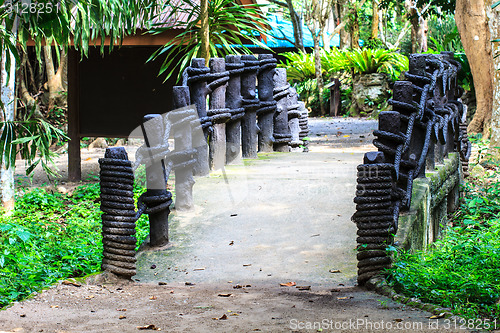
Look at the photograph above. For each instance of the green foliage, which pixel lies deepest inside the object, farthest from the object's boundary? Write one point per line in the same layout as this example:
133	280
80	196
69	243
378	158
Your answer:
444	35
33	136
299	66
460	270
52	236
368	61
231	26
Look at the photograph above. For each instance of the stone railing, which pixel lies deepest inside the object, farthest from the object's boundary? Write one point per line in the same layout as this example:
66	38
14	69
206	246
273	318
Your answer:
250	108
406	188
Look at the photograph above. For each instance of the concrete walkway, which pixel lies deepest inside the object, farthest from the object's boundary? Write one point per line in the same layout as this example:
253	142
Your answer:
280	218
283	217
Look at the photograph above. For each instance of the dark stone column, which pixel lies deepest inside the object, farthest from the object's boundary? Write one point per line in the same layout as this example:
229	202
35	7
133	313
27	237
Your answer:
304	126
251	104
198	76
218	113
282	133
156	181
181	119
267	103
233	103
293	119
118	220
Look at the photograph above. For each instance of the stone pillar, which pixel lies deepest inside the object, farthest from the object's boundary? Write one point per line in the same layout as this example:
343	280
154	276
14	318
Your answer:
118	220
251	104
304	126
233	103
281	133
198	76
181	118
293	119
218	113
156	181
267	103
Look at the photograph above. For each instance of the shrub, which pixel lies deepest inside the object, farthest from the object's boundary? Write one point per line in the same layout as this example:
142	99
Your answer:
51	236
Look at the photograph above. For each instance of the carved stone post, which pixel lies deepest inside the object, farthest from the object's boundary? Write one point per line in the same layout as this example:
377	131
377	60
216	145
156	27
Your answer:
251	104
118	220
304	126
233	103
282	133
293	119
267	103
218	113
198	76
156	181
181	119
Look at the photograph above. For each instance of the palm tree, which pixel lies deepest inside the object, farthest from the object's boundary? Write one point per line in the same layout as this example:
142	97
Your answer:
222	27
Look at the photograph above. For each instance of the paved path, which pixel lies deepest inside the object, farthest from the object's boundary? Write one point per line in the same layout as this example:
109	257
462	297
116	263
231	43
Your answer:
280	218
283	217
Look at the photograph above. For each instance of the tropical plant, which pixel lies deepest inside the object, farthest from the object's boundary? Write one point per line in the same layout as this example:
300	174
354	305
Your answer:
33	136
368	61
299	66
230	27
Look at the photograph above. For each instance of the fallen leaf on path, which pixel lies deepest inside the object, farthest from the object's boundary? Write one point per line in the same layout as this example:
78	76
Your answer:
315	235
288	284
54	306
398	320
23	315
149	327
71	283
346	297
121	309
304	287
246	265
233	215
153	266
234	314
152	298
224	295
199	269
172	291
335	290
441	315
88	159
346	136
224	317
161	283
189	284
231	243
335	271
90	297
122	317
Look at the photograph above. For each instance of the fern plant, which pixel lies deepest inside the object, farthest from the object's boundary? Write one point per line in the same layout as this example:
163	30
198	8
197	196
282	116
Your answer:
299	66
376	61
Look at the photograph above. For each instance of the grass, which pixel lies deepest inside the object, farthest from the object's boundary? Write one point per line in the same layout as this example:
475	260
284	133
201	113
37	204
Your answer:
51	236
461	270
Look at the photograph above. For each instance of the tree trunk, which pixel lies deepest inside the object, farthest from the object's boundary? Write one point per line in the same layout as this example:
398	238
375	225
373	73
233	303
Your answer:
494	25
54	83
204	31
375	19
8	100
354	27
345	34
298	34
472	23
318	72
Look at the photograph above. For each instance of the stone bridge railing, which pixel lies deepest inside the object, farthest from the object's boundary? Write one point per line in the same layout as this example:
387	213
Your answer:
406	188
250	108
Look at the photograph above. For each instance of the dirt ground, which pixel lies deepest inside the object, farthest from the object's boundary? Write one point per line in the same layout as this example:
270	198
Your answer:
240	304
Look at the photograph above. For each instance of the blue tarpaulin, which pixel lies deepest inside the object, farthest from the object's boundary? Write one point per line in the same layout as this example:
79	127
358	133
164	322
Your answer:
282	28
